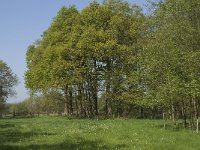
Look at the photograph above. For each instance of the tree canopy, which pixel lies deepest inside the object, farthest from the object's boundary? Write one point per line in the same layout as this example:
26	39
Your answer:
112	59
7	80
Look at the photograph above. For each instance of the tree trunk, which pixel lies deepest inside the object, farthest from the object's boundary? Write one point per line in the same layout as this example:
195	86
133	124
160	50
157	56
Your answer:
94	91
108	91
81	98
197	128
152	113
196	115
70	102
66	107
141	112
184	115
90	104
85	101
173	114
14	114
76	104
164	120
191	115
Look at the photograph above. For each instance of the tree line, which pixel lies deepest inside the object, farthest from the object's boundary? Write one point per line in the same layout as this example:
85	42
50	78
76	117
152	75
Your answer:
111	59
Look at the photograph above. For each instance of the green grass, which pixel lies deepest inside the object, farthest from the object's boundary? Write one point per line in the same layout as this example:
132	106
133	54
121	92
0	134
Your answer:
57	133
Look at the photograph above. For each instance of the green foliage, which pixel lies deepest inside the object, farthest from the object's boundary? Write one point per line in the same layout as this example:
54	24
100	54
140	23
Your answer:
111	58
82	51
170	49
49	103
7	80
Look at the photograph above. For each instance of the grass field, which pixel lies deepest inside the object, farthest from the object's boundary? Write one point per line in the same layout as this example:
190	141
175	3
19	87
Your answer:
59	133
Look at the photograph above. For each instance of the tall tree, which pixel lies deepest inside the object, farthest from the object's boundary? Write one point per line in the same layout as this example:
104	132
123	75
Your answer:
7	81
50	61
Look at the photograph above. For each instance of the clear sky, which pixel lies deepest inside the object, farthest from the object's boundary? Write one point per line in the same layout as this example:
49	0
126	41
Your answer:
21	23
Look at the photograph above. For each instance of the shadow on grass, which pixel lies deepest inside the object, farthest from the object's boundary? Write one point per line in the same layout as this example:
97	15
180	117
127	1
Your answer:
177	127
10	138
7	126
17	117
67	145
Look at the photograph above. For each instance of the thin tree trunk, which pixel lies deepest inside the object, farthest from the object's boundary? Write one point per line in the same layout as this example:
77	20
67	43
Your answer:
94	91
14	114
66	109
164	120
108	92
85	106
191	115
184	115
196	115
76	103
141	112
80	98
90	104
70	102
197	128
152	113
173	115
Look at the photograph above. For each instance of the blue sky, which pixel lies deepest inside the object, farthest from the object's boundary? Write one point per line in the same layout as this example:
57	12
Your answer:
21	23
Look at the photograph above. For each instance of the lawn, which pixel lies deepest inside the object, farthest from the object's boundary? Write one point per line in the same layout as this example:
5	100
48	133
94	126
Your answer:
57	133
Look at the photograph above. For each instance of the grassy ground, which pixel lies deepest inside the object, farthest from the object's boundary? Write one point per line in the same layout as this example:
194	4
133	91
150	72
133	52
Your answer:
59	133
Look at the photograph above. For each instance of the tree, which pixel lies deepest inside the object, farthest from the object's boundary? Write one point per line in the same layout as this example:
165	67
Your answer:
109	37
7	80
49	61
84	55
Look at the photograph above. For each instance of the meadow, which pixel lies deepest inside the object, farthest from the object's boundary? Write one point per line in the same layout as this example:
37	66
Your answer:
60	133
